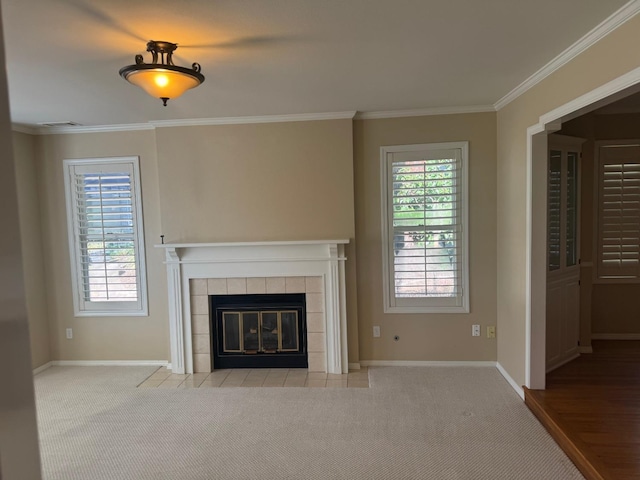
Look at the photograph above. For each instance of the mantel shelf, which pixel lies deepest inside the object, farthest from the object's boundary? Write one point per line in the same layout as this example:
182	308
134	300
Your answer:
253	244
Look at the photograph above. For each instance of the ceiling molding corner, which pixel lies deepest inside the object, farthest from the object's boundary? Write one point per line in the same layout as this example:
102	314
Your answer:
423	112
625	13
296	117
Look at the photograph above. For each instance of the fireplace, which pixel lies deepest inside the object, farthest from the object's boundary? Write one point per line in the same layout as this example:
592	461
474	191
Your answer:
314	268
258	331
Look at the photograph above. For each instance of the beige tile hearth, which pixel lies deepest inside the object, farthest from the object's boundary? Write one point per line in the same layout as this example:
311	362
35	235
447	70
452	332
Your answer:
235	378
257	378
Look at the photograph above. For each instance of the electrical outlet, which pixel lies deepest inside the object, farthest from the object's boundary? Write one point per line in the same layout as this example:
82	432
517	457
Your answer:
491	331
69	333
376	331
475	330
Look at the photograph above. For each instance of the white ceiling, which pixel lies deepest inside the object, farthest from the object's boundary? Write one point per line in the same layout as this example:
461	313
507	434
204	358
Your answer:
266	57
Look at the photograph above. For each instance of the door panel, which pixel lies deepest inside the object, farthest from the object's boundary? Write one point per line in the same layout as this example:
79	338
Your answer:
554	316
563	251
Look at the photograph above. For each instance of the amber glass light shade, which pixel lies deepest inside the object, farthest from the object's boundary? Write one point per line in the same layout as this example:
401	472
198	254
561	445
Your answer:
162	80
162	83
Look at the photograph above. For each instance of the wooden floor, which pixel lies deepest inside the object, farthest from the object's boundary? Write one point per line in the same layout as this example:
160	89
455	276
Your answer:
592	408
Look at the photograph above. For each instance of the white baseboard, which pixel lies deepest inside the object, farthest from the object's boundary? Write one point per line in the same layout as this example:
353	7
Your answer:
111	363
564	361
519	390
42	368
423	363
615	336
585	349
354	366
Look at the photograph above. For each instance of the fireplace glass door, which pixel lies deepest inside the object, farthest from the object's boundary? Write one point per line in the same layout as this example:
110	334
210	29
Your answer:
260	332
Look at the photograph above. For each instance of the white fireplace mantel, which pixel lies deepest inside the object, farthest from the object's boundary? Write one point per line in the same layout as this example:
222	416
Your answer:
324	258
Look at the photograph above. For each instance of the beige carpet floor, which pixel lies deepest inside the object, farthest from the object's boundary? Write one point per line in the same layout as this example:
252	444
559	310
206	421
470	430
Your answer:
413	423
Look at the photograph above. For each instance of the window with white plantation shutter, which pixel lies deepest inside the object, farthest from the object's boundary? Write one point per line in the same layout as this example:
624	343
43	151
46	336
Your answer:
619	212
424	228
106	236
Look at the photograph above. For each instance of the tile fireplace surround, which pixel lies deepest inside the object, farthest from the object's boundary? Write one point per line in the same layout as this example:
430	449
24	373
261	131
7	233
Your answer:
316	268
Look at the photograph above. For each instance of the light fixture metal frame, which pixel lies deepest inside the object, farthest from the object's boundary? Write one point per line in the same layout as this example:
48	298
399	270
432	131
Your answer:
163	50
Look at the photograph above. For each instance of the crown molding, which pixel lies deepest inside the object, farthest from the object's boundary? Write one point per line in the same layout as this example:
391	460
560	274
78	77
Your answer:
625	13
297	117
24	129
423	112
152	125
303	117
94	129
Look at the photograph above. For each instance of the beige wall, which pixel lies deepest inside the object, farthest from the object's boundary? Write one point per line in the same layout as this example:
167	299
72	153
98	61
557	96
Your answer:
32	258
261	182
18	430
427	336
611	308
100	338
270	181
610	58
284	181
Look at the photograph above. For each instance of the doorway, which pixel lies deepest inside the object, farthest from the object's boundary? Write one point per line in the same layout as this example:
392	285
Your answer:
537	155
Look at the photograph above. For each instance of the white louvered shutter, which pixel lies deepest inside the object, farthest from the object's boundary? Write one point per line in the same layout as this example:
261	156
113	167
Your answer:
554	213
619	212
106	236
425	227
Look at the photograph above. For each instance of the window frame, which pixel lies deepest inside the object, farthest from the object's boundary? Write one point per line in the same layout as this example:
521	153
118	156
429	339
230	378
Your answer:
87	308
423	304
598	278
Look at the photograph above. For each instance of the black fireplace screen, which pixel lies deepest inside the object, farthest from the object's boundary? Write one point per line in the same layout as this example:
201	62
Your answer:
254	332
258	331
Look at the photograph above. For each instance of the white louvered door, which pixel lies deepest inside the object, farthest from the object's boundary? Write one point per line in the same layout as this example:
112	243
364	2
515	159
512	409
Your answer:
563	270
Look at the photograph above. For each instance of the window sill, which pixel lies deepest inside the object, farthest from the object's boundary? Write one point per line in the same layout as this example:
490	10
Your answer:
425	309
120	313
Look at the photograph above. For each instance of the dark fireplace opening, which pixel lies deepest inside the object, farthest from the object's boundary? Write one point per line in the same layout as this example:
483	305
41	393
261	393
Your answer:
258	331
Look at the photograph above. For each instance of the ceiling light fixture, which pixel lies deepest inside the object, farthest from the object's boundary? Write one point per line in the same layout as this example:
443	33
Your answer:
162	80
